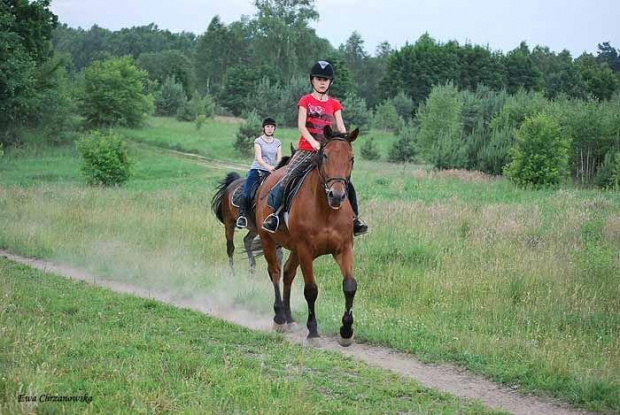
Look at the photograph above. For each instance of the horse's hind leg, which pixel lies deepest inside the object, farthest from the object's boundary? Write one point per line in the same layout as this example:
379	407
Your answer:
230	245
247	242
290	270
273	267
349	287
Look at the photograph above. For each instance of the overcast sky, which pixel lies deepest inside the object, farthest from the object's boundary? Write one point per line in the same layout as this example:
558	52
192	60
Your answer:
502	24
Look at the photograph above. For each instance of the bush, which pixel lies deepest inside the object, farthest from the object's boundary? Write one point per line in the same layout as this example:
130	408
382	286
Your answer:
404	150
200	120
369	150
248	131
404	106
540	155
608	175
386	118
104	159
169	98
113	94
198	105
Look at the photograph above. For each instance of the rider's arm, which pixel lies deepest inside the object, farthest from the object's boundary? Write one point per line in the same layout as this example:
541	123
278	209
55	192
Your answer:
258	153
340	122
301	125
279	155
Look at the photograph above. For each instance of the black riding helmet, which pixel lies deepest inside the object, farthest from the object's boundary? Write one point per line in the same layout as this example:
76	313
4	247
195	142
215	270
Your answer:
322	69
269	121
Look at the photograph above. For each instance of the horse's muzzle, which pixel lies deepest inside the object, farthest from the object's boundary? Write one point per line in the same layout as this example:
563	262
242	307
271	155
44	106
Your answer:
335	199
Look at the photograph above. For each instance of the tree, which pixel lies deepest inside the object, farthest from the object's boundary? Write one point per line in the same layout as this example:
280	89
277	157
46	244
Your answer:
113	94
404	106
246	135
540	157
599	79
369	150
386	118
404	149
169	98
609	55
355	112
521	71
440	128
25	33
169	63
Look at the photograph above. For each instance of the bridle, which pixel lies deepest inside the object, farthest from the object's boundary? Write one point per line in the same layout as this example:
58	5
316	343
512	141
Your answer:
327	182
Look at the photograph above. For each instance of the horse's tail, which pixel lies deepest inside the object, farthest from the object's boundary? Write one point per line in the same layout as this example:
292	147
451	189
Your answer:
218	197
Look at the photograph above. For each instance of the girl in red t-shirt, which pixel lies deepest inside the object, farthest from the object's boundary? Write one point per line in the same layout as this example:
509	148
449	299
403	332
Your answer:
316	110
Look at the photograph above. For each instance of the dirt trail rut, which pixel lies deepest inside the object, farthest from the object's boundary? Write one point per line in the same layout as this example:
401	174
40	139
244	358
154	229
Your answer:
445	378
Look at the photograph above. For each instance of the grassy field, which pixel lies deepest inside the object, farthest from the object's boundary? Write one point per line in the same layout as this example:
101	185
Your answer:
522	286
64	338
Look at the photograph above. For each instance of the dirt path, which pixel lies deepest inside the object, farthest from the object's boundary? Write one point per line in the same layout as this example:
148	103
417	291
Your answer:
445	378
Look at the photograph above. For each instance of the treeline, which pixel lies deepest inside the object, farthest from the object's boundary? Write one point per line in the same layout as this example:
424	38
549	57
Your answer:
257	66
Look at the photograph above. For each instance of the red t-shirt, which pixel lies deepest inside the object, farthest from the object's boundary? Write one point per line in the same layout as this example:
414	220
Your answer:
320	114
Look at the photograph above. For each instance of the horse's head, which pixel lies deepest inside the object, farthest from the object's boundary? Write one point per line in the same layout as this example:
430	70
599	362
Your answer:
335	163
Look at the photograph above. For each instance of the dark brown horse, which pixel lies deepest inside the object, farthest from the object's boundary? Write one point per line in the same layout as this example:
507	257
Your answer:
227	213
320	223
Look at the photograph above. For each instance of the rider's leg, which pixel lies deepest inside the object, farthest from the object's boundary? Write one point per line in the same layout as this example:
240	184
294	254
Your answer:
251	179
359	226
300	161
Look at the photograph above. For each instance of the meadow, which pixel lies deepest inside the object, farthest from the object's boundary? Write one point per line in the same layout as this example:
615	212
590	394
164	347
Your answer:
520	285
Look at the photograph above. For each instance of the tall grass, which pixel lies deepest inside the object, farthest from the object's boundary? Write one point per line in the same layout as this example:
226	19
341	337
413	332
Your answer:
519	285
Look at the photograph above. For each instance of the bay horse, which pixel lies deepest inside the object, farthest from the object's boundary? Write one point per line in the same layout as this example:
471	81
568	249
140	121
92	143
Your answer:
320	222
227	213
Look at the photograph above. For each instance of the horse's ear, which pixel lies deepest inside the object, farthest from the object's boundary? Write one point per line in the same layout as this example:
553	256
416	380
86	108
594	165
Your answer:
327	132
292	149
353	135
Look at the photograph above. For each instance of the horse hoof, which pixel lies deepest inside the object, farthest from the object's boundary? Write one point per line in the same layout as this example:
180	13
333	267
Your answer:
345	342
280	328
292	327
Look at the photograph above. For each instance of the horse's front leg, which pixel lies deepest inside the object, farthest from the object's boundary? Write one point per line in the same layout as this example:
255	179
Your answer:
273	267
311	291
349	287
290	270
247	242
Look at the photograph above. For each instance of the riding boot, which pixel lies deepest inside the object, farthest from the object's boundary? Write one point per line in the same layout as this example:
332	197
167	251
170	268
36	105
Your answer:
275	200
242	221
359	227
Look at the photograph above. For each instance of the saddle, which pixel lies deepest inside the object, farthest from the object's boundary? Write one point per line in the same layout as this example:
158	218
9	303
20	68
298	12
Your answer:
236	198
290	192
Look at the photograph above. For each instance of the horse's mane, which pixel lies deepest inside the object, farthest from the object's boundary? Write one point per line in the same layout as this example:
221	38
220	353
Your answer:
216	202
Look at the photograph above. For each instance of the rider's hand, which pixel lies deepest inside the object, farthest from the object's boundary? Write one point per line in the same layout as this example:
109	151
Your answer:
315	145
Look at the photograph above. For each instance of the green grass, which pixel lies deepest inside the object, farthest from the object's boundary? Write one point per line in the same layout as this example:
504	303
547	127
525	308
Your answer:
66	338
522	286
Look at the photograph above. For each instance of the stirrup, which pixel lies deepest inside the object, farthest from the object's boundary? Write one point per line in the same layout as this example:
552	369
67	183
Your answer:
242	222
277	223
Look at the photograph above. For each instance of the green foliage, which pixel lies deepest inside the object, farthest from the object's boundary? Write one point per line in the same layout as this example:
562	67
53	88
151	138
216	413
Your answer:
113	94
104	159
239	85
343	84
290	94
200	120
599	79
198	105
440	132
25	32
540	156
521	73
386	118
404	106
355	112
169	98
608	175
162	66
369	150
248	131
404	149
264	99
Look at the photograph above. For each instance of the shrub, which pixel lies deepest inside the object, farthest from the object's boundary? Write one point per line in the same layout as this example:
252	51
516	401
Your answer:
198	105
404	150
169	98
248	131
608	175
540	155
200	120
356	113
104	159
386	118
404	106
113	94
369	150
